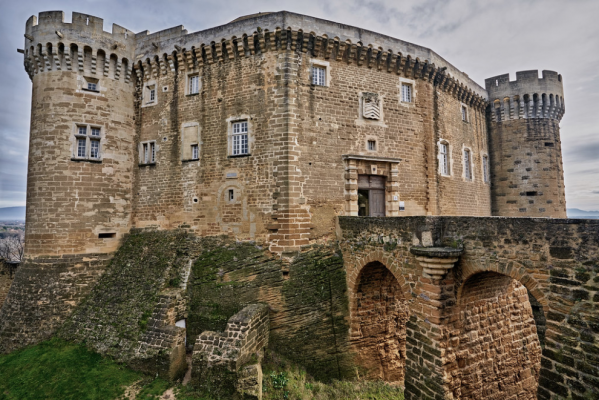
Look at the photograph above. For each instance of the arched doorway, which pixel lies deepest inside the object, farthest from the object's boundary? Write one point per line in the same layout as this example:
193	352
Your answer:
381	313
499	354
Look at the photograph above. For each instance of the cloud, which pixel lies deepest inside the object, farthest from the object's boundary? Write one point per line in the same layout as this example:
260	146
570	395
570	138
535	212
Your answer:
595	191
479	37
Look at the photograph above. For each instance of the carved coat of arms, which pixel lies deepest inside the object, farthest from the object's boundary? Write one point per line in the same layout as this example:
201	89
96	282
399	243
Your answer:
371	106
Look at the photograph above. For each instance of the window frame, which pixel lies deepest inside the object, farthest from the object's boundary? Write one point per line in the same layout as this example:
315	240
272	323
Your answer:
149	88
445	167
189	141
326	66
485	166
231	134
91	81
147	148
195	151
464	113
238	149
89	138
468	173
374	147
412	85
190	78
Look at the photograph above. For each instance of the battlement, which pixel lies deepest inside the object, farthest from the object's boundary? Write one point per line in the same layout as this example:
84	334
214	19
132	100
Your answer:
527	97
53	44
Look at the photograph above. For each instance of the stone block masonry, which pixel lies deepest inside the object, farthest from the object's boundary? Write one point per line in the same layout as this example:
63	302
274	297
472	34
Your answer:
7	275
230	360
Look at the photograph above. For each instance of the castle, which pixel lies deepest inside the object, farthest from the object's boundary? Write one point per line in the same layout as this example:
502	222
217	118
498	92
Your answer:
276	129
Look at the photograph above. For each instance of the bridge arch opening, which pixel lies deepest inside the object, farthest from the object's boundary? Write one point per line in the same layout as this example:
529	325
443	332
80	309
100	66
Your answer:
499	352
381	316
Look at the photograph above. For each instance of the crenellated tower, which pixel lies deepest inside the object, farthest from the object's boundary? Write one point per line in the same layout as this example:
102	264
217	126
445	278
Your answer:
82	134
526	156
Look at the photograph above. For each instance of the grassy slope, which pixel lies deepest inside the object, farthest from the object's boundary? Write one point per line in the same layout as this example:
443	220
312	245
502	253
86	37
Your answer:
60	370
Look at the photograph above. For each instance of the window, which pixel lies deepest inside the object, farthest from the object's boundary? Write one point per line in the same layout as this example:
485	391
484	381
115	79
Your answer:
149	94
91	84
240	138
319	75
231	195
486	169
194	84
444	158
467	165
464	113
372	145
190	146
406	93
87	142
147	153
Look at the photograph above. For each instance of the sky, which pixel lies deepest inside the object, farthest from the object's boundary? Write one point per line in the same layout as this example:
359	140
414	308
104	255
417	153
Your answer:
480	37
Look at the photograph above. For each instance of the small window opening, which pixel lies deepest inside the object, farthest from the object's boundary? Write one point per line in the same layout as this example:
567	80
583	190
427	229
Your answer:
496	82
464	114
107	235
87	21
467	165
231	195
443	149
548	144
152	94
195	152
406	93
372	145
486	169
318	75
531	193
194	84
195	200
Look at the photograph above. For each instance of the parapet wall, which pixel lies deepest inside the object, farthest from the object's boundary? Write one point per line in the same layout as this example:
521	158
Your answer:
527	97
52	44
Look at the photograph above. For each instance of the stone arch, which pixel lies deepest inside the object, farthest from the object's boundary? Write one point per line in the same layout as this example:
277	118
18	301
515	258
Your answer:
379	314
498	351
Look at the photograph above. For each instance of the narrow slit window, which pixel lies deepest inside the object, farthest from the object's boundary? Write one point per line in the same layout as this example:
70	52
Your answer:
231	195
464	113
486	169
467	166
406	93
240	138
318	75
444	153
152	152
195	153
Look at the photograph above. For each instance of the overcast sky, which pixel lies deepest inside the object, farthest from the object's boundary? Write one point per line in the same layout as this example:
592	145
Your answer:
480	37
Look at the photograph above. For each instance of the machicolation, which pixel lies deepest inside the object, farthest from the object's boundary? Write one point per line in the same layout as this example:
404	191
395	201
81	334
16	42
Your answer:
287	184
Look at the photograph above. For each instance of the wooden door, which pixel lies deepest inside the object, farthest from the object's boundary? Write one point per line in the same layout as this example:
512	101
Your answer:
377	203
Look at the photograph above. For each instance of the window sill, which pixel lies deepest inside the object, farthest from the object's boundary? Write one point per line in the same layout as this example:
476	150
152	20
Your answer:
445	175
239	156
192	94
147	164
190	160
90	90
83	159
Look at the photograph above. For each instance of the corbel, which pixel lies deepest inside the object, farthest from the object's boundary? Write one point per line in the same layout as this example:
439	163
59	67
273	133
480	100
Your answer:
317	45
383	61
251	46
294	40
341	46
352	53
117	72
361	54
392	62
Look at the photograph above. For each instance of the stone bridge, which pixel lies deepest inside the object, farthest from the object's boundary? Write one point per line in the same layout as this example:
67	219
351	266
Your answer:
475	308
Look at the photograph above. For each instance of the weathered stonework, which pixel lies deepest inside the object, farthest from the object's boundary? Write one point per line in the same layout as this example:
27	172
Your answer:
7	275
230	360
447	301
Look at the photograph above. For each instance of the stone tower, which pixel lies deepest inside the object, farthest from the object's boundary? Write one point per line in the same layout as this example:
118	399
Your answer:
526	157
82	134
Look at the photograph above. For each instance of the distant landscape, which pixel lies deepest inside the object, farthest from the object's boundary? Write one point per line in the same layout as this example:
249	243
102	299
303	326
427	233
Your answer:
18	213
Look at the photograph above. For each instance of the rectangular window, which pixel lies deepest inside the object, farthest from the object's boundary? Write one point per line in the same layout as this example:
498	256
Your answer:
82	130
91	86
240	138
464	114
406	93
318	75
152	152
96	132
195	152
231	195
81	147
152	94
486	169
467	167
372	145
194	84
95	149
144	158
147	153
443	150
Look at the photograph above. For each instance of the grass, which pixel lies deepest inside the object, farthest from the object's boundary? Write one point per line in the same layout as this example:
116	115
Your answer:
56	369
283	380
